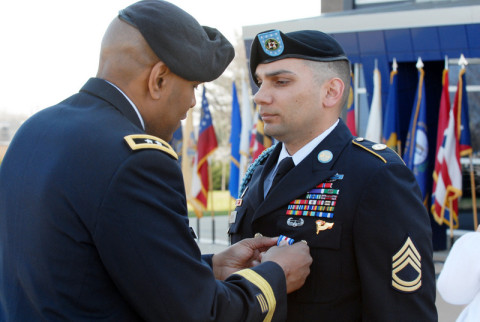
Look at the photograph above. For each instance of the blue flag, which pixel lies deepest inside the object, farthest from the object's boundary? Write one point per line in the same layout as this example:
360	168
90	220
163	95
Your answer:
461	102
391	126
235	134
416	146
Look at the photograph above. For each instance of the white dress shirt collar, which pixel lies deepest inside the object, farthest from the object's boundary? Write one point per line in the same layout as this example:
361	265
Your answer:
133	105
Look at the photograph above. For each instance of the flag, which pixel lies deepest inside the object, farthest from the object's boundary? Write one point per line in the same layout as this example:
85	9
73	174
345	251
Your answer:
253	136
351	117
247	123
189	151
253	133
233	183
416	146
351	121
461	101
207	143
262	141
447	176
374	125
176	143
443	114
391	126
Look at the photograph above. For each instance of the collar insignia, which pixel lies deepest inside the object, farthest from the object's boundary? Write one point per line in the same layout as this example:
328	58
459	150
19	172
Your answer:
325	156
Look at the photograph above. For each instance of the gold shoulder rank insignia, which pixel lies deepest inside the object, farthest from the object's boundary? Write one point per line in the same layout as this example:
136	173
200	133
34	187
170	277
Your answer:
144	141
407	268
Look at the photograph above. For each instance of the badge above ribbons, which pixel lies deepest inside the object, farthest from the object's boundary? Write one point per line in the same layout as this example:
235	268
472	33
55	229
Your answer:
271	42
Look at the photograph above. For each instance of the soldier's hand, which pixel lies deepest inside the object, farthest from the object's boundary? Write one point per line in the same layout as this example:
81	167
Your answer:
295	261
244	254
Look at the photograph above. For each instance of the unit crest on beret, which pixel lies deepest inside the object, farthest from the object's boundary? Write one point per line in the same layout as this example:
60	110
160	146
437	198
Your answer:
144	141
273	45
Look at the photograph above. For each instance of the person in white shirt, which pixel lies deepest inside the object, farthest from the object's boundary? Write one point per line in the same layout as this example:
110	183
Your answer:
459	280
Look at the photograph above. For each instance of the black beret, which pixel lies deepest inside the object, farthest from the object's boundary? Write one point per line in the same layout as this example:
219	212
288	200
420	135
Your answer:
272	45
193	52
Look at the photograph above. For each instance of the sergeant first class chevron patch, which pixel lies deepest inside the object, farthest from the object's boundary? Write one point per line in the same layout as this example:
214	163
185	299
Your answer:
407	268
143	141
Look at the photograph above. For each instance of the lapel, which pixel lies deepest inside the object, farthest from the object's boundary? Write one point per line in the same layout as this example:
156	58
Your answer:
105	91
306	175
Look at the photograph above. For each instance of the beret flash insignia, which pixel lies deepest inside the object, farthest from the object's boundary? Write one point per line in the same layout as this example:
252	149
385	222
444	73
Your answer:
271	42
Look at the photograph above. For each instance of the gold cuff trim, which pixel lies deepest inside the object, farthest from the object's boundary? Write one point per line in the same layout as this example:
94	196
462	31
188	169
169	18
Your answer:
256	279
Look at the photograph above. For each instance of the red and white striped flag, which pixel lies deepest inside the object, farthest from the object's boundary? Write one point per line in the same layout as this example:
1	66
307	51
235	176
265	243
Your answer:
447	184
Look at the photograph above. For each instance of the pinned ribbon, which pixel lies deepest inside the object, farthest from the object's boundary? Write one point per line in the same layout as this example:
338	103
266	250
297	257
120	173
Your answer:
282	240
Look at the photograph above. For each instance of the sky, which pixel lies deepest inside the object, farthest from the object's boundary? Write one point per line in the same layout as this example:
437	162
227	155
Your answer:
49	48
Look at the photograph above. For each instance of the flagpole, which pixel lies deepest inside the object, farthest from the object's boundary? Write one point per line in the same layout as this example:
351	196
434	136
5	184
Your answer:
474	194
399	143
356	81
463	62
212	213
198	227
451	223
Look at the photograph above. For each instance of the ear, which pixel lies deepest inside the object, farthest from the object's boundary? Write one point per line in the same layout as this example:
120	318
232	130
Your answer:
156	80
334	92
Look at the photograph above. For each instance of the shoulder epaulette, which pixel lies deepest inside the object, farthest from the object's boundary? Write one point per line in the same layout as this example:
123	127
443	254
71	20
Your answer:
375	148
144	141
248	175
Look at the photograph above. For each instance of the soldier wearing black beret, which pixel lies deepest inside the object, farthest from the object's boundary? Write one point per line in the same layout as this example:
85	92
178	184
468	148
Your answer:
93	214
353	201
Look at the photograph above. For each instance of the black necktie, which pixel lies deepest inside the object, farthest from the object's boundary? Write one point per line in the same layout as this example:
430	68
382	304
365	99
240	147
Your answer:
284	166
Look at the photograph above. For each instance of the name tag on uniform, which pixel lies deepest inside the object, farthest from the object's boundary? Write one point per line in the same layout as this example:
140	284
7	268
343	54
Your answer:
232	217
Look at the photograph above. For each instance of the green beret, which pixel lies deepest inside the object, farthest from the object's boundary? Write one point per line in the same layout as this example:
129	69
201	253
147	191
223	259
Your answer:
273	45
193	52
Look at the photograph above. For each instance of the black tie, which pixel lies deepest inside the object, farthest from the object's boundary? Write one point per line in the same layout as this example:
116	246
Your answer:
284	166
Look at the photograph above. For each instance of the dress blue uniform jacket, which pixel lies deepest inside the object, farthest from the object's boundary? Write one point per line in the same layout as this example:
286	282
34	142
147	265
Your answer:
94	228
370	235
